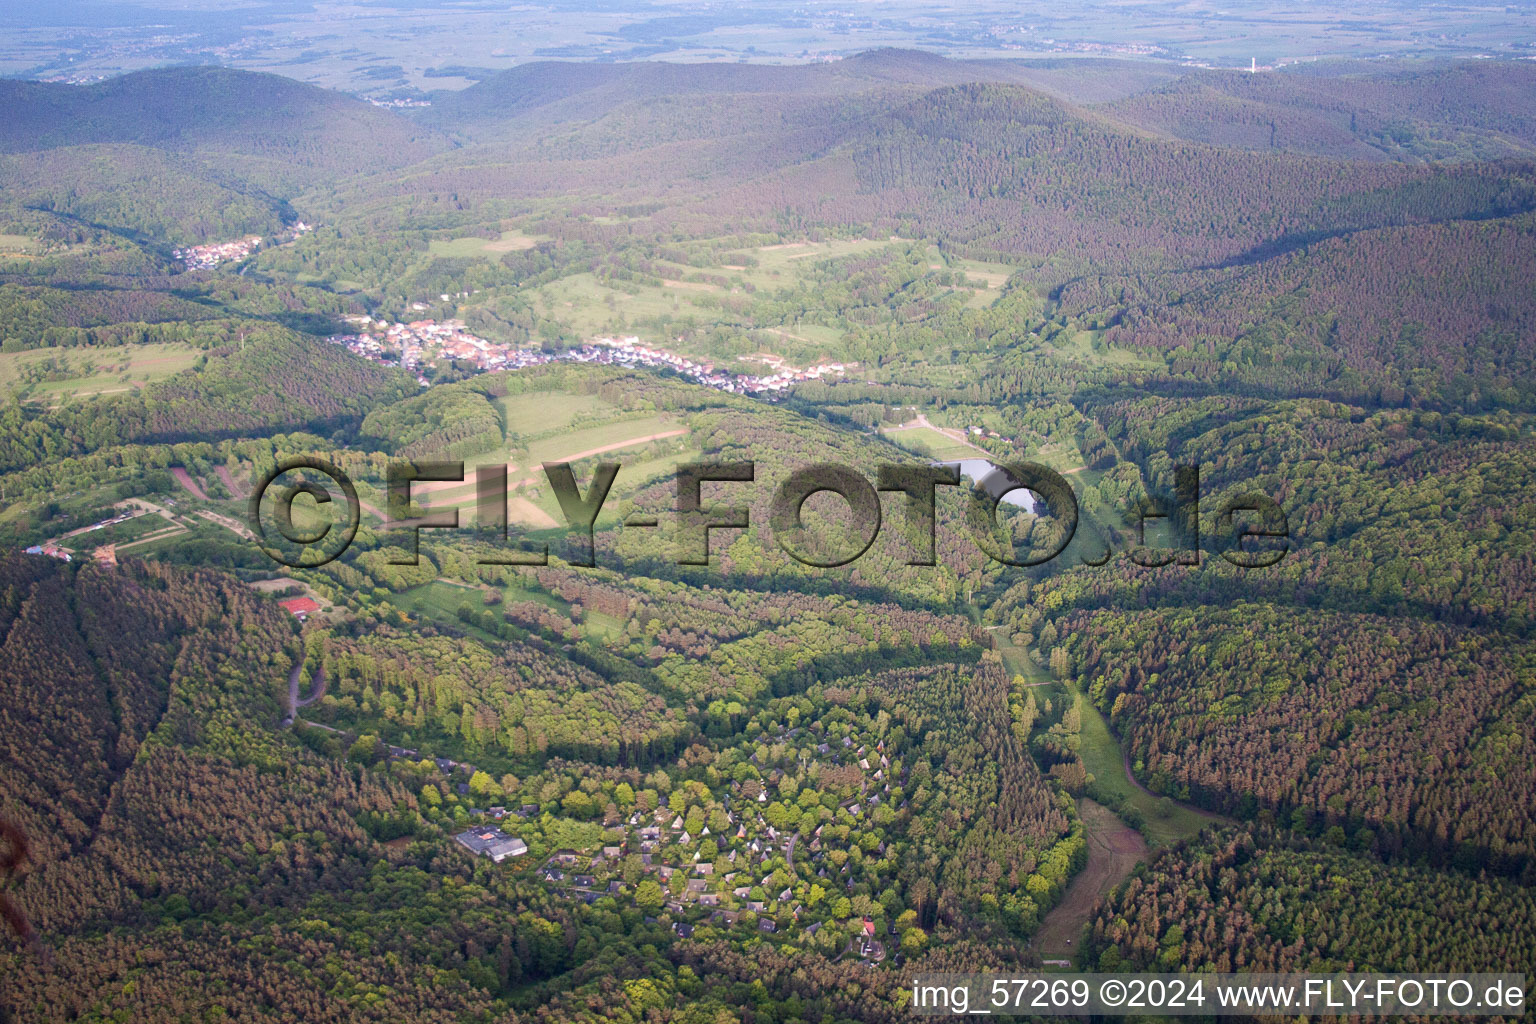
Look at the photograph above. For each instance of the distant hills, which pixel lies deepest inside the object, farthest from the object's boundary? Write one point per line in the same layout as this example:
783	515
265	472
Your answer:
1472	110
555	91
266	130
1356	110
1132	166
1087	170
193	154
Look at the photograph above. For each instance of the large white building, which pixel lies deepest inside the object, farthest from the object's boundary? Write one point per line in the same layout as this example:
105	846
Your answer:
492	843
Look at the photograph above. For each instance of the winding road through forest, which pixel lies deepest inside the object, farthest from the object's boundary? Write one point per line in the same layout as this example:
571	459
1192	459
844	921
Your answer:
316	691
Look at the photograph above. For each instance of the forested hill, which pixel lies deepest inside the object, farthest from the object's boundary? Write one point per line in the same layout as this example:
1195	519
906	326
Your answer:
727	98
565	90
1469	110
1465	111
255	127
1006	159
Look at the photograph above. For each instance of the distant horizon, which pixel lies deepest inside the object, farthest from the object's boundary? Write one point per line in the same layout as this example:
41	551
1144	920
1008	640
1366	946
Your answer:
1033	59
409	48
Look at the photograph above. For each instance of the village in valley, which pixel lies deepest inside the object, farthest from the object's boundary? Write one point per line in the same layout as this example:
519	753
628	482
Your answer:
420	344
207	257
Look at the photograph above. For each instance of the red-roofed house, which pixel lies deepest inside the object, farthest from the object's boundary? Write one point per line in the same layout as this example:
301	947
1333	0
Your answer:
299	607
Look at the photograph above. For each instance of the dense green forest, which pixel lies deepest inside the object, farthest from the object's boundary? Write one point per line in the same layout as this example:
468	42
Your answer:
756	790
1264	901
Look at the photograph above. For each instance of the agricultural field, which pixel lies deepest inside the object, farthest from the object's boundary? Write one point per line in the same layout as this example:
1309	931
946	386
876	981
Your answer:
930	442
534	413
532	503
985	281
1089	346
490	248
782	258
54	377
125	532
18	245
441	599
590	308
608	437
740	294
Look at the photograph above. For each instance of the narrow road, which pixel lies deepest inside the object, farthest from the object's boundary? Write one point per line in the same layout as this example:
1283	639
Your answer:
317	690
150	538
789	851
1130	777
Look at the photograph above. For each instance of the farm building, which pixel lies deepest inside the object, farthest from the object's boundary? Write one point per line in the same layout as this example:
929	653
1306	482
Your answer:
300	607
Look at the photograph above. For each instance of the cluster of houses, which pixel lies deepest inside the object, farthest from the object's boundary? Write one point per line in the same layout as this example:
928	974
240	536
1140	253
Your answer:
52	550
752	863
417	345
206	257
630	351
420	343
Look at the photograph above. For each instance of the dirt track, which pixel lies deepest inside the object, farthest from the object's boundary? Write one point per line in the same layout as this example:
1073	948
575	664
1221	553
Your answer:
1114	848
529	481
229	481
185	479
